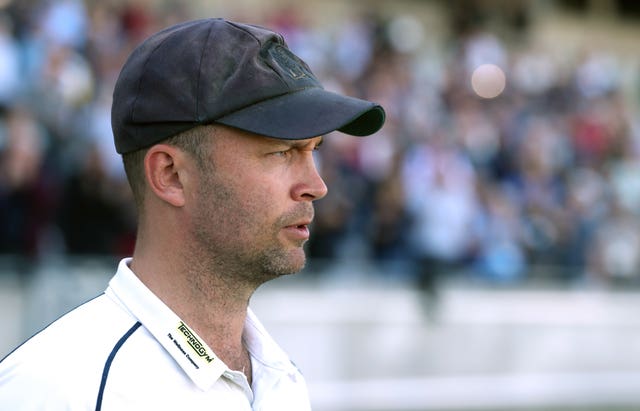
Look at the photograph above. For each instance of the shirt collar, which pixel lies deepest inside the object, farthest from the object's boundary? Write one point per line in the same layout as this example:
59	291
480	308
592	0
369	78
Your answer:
191	353
262	347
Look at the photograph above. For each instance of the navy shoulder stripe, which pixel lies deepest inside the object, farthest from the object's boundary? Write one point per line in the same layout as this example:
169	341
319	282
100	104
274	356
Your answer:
107	365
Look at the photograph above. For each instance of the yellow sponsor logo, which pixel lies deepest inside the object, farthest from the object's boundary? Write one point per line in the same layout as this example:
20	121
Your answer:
194	342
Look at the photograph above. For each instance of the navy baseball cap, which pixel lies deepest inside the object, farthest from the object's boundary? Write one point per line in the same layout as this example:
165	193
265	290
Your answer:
217	71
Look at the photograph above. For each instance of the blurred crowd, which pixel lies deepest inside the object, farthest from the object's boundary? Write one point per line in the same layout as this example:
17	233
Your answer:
542	180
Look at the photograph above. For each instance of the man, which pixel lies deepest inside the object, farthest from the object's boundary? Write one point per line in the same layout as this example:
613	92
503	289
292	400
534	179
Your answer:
217	123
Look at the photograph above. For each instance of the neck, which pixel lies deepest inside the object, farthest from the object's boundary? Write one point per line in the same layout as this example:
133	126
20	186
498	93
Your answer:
208	301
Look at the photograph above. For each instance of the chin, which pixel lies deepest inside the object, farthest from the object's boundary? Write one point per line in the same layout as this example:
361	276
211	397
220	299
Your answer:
288	263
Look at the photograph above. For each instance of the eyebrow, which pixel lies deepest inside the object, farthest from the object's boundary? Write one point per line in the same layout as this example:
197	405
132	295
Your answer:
303	143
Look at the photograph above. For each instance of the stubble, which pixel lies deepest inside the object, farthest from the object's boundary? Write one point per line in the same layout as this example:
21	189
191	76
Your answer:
235	240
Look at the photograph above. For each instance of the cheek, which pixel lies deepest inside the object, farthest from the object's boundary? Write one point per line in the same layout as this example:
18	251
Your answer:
263	205
265	191
250	203
248	199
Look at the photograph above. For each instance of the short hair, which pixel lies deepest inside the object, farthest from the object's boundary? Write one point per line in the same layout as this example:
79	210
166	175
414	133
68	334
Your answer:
194	141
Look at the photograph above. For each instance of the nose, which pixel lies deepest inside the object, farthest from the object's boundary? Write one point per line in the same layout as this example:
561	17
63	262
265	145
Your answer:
309	186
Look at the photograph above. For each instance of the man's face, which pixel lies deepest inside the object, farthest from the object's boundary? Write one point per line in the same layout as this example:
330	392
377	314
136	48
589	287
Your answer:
253	206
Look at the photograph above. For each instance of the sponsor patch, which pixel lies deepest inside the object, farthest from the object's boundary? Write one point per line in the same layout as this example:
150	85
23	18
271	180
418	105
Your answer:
192	341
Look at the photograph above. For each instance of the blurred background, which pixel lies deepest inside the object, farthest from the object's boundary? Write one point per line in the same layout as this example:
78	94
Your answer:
481	252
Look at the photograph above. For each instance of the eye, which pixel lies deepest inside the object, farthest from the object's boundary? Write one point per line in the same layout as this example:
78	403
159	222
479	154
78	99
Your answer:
283	153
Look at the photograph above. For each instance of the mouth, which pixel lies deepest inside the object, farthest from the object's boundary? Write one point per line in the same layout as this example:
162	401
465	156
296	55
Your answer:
301	224
298	230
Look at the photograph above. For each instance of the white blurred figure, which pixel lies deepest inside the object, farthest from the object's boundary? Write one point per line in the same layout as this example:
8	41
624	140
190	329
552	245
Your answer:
484	48
65	23
587	206
101	136
598	75
9	63
71	76
406	33
535	72
354	48
615	252
441	198
501	257
616	246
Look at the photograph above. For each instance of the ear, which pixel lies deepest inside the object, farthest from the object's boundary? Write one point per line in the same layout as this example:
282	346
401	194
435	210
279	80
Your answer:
163	167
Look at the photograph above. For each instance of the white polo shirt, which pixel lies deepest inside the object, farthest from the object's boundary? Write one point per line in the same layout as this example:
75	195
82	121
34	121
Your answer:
126	350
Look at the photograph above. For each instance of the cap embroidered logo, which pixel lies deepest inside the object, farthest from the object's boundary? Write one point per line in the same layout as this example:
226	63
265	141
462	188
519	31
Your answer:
288	64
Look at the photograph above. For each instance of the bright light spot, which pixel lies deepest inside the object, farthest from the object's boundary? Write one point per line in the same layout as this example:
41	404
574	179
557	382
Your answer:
488	81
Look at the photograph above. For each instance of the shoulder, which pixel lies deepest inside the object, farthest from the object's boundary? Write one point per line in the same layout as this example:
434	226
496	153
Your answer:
65	361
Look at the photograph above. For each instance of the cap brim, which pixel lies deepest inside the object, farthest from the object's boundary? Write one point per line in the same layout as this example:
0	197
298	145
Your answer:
308	113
